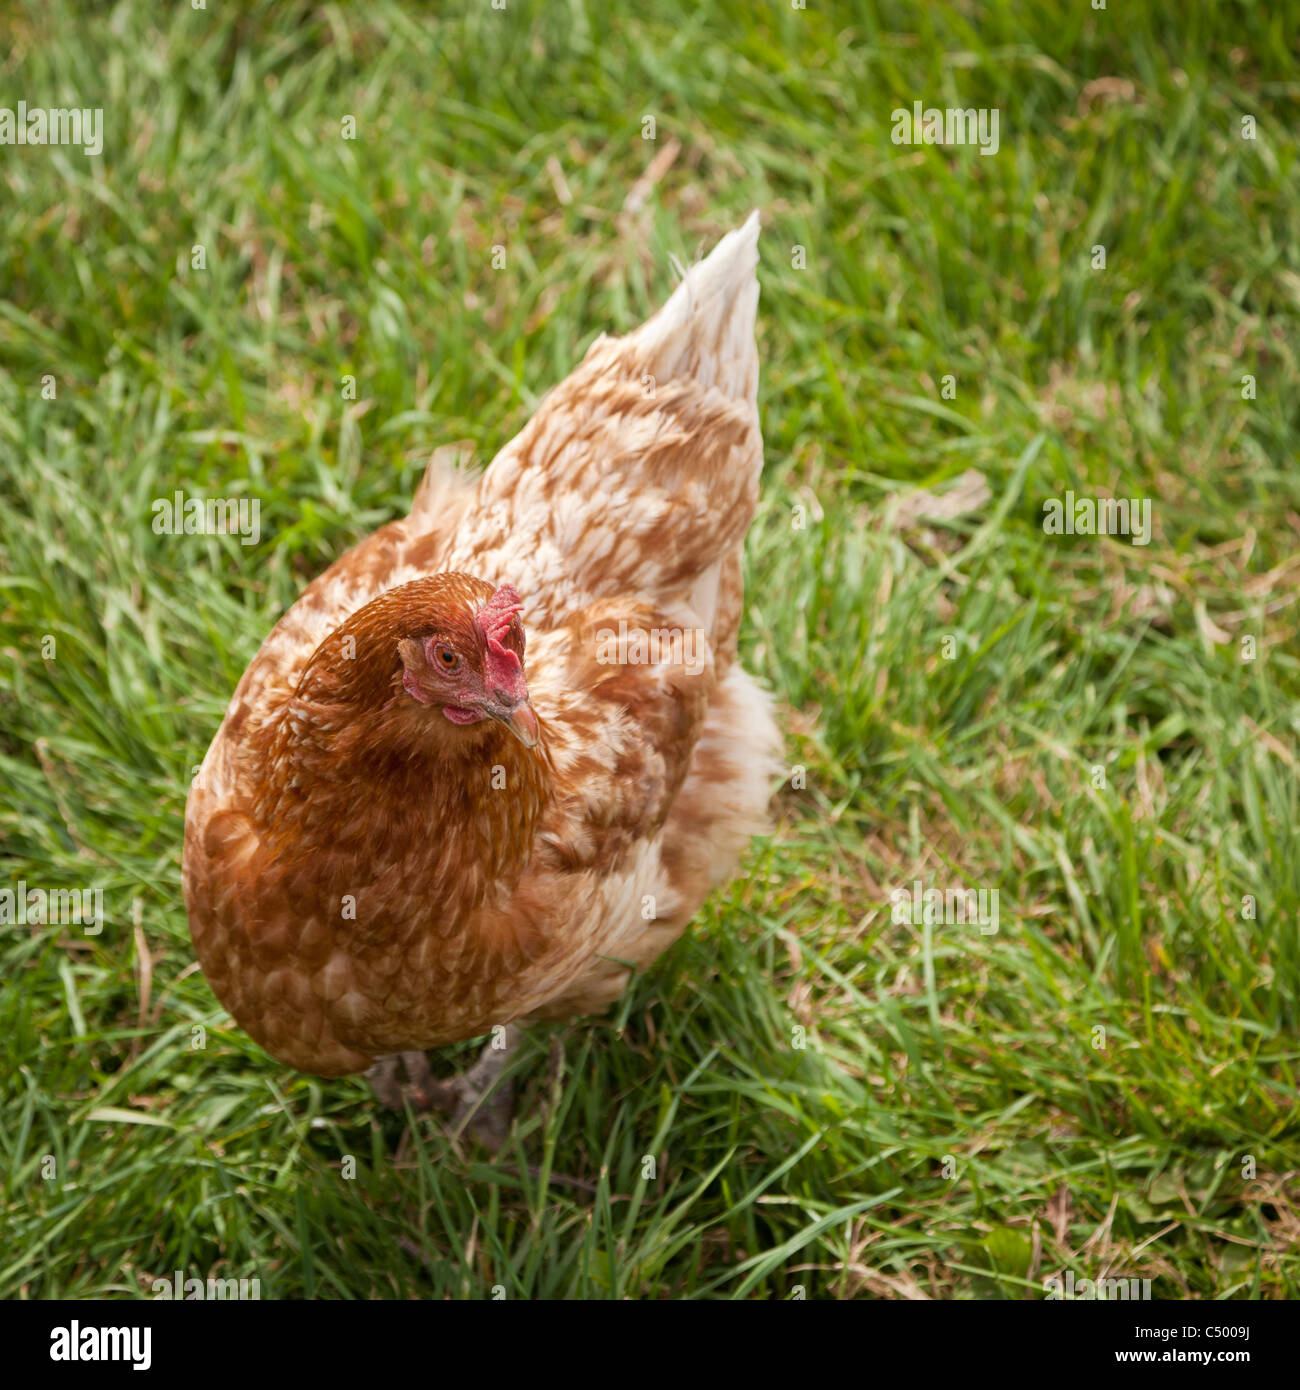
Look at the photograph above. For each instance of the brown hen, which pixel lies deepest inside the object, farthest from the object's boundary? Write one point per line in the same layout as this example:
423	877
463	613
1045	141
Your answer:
493	760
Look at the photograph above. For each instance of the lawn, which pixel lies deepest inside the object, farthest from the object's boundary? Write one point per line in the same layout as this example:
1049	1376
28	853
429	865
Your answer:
837	1103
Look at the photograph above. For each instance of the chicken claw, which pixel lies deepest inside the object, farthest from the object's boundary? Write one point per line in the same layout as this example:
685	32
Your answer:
478	1100
387	1085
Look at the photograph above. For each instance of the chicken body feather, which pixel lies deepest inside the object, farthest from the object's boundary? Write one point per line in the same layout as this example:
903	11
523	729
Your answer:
354	890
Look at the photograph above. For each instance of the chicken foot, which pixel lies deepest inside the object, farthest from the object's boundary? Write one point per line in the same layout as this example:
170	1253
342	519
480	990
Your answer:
478	1099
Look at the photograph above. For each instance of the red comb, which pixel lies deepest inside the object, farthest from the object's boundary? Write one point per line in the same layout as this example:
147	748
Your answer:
494	620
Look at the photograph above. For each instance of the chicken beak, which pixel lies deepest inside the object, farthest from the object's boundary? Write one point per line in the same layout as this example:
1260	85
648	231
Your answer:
519	718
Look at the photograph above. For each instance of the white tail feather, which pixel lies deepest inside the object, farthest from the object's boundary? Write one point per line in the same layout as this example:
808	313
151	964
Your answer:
706	329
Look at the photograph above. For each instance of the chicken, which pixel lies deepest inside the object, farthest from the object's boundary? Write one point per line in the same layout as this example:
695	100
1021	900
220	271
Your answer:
493	760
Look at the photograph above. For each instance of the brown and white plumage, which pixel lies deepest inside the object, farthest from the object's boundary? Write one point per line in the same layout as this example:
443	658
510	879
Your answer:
364	877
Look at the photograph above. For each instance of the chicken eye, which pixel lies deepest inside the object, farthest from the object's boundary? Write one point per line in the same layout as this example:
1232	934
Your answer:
446	658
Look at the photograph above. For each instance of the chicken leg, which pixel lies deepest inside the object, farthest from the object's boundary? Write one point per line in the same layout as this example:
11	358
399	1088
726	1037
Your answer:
479	1099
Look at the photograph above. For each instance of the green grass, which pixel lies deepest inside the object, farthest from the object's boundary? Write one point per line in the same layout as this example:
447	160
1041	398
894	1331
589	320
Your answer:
128	1153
